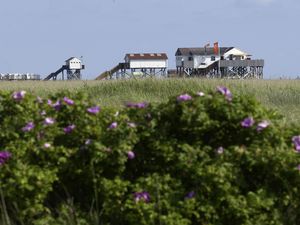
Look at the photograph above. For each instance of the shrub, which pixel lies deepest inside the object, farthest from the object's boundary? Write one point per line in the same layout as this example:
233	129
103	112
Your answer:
204	158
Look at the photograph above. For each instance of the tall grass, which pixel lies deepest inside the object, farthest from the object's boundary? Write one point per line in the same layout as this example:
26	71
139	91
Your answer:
282	95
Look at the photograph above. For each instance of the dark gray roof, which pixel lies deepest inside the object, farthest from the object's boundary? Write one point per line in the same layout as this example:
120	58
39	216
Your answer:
201	51
69	59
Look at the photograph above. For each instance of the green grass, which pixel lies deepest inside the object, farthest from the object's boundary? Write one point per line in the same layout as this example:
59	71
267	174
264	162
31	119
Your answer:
282	95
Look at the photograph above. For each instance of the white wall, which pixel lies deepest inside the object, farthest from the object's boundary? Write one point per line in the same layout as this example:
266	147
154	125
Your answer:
74	64
150	63
196	62
236	52
199	59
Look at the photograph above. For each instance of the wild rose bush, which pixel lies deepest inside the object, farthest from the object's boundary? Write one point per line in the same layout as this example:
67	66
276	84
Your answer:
201	158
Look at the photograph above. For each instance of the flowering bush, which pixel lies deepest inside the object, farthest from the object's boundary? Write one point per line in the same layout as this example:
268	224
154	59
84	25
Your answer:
202	158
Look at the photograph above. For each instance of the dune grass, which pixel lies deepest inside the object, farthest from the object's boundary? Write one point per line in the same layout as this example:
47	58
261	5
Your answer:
282	95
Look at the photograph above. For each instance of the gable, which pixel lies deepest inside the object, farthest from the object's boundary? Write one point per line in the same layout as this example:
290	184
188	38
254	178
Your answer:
236	52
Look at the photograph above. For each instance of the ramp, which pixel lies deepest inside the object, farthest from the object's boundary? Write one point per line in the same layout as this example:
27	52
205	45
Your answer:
112	71
103	75
55	74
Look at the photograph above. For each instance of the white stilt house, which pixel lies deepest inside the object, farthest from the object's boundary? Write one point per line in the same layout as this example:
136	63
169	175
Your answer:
73	66
147	63
229	62
138	64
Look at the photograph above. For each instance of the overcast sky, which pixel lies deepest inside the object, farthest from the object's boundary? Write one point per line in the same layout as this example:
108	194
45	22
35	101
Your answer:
38	35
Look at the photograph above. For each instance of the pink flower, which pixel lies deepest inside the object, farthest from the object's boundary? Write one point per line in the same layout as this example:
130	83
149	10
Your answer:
4	156
47	145
247	122
225	91
57	105
29	126
130	155
190	195
49	121
49	102
93	110
43	113
19	95
262	125
88	142
139	105
296	141
113	125
69	129
68	101
184	97
220	150
141	196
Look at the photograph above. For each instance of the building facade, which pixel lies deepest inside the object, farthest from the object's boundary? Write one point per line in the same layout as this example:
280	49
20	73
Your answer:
227	62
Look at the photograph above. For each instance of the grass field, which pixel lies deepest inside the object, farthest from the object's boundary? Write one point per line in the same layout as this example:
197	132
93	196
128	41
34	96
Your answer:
282	95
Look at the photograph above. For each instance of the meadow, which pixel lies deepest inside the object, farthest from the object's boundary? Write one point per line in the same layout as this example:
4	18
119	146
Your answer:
281	95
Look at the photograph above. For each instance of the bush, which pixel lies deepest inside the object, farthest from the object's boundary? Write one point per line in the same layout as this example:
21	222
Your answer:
200	158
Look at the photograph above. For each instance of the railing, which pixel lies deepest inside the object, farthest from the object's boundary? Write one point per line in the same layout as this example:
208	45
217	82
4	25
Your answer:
242	63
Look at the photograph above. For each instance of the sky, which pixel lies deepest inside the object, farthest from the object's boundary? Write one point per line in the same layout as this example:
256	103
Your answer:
37	36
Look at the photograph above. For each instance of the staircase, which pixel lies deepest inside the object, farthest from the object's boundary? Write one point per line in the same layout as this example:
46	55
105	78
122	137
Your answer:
54	75
112	71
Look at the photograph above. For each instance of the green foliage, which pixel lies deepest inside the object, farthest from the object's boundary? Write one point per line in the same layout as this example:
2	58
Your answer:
193	163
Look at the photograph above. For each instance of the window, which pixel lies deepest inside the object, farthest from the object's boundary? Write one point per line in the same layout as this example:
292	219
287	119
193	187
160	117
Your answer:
190	58
213	58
